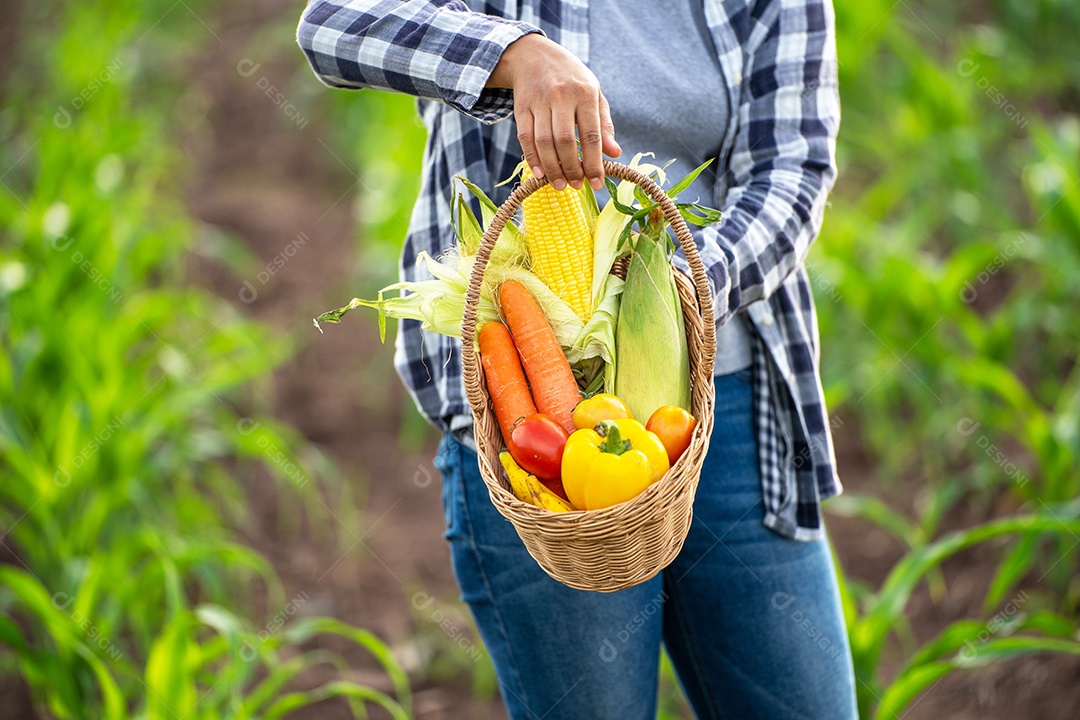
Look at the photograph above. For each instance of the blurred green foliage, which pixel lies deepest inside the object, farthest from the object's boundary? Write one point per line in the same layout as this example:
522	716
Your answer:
946	284
946	270
124	591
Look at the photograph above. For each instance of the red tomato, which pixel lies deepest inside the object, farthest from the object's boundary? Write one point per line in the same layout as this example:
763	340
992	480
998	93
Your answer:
675	428
556	487
536	444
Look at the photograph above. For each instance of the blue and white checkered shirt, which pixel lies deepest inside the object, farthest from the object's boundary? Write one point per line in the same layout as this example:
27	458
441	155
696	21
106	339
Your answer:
779	60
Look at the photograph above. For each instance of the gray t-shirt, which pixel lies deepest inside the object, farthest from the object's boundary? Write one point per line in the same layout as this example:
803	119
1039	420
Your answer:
658	68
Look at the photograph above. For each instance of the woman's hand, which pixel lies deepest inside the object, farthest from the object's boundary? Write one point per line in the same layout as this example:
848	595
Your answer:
553	93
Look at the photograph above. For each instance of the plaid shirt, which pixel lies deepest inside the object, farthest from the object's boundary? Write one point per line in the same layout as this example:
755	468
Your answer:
779	59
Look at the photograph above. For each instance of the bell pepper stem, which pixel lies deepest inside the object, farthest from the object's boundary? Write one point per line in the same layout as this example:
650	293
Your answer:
613	440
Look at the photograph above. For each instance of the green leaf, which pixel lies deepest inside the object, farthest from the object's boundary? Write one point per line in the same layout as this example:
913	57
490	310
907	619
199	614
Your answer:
904	689
637	216
1002	648
334	316
889	602
294	701
168	677
847	599
938	501
309	627
874	510
280	675
949	641
613	197
11	635
1016	565
915	680
688	180
641	197
67	635
699	215
1050	623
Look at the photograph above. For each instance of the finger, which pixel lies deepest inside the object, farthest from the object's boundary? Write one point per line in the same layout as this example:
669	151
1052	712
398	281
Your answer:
526	130
607	130
562	127
588	124
545	148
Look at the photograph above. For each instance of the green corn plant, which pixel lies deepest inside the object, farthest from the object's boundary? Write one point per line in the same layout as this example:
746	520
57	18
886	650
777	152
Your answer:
205	662
943	273
946	271
873	617
387	139
124	459
671	704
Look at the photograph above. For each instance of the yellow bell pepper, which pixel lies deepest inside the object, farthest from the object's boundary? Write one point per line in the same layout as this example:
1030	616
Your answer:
611	464
602	406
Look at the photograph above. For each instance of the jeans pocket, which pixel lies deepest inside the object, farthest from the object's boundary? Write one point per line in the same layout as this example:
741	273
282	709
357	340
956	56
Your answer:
448	462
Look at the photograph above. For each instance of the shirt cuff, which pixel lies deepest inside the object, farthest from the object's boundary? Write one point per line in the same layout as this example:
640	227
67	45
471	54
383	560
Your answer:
461	427
469	94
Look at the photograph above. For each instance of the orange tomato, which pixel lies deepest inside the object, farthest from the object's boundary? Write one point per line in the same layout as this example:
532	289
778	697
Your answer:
675	428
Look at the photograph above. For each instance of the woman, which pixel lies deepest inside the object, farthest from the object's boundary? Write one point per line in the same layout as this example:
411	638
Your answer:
749	611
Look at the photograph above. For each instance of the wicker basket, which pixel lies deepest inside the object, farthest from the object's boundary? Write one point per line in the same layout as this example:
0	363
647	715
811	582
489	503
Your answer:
629	543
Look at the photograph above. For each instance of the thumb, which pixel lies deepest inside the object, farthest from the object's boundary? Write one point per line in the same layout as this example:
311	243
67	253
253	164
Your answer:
607	130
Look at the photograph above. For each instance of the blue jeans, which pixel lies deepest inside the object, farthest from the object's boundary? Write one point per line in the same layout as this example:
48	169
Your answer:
752	621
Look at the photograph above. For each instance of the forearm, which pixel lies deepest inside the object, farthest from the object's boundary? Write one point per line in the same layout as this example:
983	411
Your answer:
426	48
769	229
782	164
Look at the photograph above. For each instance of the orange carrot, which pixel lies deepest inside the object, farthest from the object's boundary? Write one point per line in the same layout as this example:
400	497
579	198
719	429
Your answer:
505	380
552	380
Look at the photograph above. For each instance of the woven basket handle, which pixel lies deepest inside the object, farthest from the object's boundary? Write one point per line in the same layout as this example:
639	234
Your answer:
491	235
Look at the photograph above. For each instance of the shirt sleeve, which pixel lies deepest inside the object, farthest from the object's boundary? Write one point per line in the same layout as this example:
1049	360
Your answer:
435	49
782	163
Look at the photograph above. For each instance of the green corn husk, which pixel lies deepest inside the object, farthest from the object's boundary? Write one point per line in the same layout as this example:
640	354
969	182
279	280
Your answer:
509	249
438	303
650	341
653	366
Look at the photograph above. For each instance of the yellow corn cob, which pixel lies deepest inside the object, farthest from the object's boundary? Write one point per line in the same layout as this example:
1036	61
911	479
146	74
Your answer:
560	245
